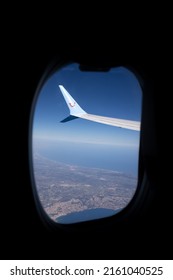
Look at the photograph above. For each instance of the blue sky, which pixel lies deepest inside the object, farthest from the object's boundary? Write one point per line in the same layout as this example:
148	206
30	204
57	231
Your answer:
116	93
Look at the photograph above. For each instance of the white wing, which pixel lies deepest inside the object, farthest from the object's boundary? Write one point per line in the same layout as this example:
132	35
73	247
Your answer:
77	112
134	125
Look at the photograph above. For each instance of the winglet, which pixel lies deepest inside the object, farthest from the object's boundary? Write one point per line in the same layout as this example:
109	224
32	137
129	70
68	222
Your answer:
75	109
69	118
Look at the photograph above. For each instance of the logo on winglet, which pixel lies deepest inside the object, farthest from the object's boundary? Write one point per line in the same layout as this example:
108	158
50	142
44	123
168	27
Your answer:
72	105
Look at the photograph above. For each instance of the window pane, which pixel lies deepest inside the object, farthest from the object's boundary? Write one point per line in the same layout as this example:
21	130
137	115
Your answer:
84	169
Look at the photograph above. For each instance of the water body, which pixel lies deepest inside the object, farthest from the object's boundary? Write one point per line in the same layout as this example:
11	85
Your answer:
86	215
121	159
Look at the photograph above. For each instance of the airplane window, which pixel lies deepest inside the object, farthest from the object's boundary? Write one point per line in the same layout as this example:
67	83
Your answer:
85	143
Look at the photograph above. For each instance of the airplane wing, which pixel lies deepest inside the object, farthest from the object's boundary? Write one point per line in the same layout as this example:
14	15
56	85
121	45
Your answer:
77	112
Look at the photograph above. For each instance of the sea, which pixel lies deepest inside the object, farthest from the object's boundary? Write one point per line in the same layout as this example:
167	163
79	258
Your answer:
110	157
86	215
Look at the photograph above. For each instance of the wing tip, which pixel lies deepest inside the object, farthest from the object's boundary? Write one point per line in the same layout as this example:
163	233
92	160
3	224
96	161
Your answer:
69	118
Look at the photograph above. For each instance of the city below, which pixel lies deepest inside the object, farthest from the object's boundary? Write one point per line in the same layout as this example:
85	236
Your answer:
71	193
